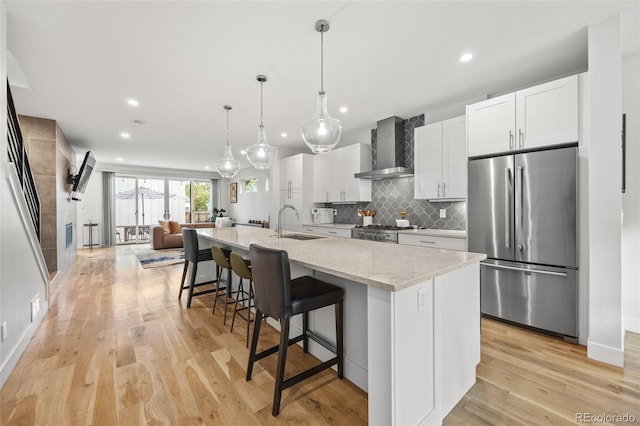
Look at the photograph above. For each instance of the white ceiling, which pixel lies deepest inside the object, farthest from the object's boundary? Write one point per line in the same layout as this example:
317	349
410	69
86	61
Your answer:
184	60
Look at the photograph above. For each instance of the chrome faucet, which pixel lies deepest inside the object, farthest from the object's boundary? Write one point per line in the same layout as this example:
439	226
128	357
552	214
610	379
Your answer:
279	226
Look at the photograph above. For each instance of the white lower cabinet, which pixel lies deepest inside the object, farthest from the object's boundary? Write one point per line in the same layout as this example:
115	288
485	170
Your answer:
447	243
328	231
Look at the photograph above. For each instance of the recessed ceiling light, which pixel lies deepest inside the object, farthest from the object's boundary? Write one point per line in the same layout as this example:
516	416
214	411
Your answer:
344	109
133	102
466	57
119	159
125	135
243	152
283	134
206	167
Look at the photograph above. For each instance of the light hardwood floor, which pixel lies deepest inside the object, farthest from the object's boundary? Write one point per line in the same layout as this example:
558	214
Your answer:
118	348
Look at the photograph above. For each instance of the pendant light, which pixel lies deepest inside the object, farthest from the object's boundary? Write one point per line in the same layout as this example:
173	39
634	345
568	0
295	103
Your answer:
321	132
261	155
227	166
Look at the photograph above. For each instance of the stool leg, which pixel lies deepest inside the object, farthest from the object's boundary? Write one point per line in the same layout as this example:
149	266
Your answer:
254	344
339	338
249	309
215	298
227	294
239	291
184	275
192	282
305	325
282	359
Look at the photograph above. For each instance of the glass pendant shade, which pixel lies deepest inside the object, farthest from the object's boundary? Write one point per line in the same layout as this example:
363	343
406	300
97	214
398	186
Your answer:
261	155
321	132
227	166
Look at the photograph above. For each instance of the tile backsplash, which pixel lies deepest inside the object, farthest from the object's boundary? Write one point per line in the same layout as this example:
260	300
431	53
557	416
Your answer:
390	196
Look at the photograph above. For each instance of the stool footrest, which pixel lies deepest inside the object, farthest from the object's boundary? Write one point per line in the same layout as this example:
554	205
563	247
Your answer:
316	338
275	348
308	373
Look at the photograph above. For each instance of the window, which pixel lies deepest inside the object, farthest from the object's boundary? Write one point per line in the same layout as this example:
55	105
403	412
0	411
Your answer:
250	185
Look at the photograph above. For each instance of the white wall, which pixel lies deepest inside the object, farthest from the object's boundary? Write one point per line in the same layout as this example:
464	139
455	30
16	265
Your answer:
252	205
631	199
20	276
605	342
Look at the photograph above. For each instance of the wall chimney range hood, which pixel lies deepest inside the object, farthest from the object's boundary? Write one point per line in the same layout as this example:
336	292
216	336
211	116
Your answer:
390	151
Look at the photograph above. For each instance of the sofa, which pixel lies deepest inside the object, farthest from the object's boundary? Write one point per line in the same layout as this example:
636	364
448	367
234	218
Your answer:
163	238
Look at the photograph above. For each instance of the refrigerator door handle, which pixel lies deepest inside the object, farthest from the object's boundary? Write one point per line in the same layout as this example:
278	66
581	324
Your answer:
535	271
507	207
519	210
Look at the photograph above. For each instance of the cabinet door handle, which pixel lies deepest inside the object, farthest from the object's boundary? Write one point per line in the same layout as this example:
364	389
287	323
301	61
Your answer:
332	232
438	190
510	139
427	242
520	137
444	189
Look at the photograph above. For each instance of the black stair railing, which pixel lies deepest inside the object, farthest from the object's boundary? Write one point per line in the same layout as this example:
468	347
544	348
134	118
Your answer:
18	156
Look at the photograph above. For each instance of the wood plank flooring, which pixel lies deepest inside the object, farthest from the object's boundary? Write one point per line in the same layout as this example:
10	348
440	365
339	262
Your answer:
118	348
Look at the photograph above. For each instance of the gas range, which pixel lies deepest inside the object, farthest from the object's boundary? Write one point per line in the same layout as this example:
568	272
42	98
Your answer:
384	233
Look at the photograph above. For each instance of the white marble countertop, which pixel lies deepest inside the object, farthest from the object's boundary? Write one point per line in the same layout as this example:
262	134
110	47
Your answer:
391	267
332	225
436	233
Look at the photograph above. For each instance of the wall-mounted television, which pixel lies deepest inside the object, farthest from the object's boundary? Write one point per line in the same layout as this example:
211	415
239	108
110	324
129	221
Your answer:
79	181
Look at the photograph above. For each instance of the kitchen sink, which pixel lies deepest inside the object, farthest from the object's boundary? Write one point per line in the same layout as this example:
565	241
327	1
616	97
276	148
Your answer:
302	237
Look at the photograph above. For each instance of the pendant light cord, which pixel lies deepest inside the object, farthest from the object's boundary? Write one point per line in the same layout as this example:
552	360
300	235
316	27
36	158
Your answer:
261	124
228	127
322	60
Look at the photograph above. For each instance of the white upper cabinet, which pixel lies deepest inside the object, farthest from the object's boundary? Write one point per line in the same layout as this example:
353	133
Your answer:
491	125
296	188
322	179
428	161
547	114
543	115
440	160
334	175
355	159
292	172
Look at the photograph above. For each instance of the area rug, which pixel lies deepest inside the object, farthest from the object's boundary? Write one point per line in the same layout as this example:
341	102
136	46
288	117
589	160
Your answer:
150	258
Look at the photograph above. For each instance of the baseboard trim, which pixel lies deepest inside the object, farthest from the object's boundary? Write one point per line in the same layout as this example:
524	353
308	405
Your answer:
605	354
632	324
12	360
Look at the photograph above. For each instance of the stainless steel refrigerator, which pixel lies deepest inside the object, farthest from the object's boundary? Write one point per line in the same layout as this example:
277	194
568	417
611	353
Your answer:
522	212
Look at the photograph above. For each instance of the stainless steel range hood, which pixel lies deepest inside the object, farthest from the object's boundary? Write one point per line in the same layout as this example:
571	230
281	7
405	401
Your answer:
390	151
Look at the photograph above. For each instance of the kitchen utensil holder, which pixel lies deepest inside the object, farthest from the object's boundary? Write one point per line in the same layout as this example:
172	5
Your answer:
367	220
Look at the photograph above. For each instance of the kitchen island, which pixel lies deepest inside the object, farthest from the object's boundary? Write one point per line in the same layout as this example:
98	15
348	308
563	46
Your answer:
412	317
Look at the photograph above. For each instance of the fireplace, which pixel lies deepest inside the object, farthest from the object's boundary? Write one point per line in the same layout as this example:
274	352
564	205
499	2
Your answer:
69	234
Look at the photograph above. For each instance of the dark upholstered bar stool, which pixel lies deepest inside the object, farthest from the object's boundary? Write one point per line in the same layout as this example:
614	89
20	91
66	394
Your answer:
221	257
193	255
241	267
278	296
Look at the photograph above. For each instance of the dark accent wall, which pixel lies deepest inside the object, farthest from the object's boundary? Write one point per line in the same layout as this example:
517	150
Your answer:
390	196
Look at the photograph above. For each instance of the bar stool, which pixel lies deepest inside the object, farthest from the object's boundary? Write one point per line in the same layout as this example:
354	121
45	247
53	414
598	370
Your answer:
222	262
241	267
278	296
193	255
